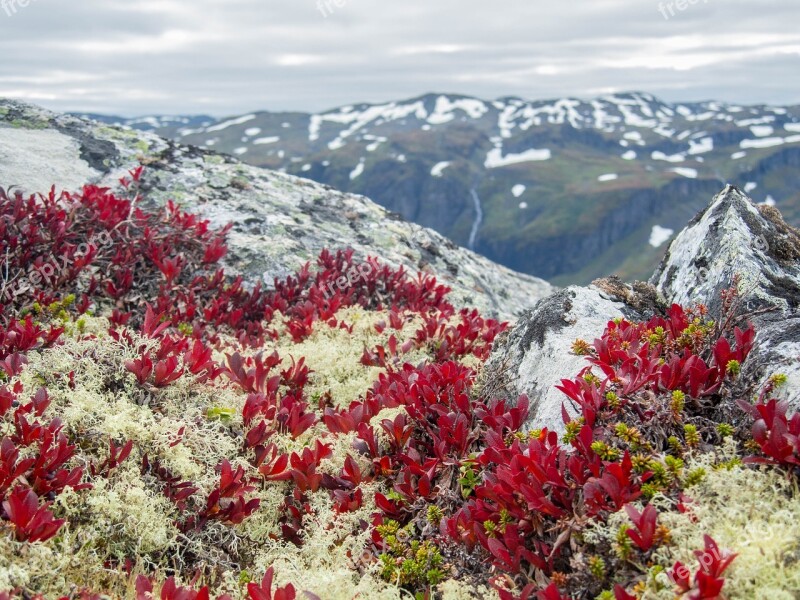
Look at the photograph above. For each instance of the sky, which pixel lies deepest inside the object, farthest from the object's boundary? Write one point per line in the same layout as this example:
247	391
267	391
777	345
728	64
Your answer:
226	57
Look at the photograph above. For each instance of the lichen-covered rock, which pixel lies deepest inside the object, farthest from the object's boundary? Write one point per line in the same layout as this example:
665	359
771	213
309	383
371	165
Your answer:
734	238
537	353
732	242
280	221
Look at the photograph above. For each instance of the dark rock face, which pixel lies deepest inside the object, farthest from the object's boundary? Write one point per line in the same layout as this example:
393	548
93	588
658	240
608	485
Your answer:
569	252
731	242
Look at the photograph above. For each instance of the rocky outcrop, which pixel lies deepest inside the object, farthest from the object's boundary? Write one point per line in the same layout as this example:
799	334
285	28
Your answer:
731	242
280	221
733	239
537	354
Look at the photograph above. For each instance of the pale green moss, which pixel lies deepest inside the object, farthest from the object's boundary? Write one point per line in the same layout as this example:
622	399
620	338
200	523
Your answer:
458	590
127	515
334	354
332	549
753	513
122	515
213	159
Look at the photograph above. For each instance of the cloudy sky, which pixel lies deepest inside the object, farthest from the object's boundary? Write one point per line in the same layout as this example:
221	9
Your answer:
223	57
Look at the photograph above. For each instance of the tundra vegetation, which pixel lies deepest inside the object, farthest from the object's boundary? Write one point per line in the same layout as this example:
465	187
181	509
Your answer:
170	431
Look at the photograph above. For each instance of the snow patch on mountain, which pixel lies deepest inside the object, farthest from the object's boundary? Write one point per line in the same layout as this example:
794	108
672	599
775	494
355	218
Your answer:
518	190
496	159
659	235
762	130
443	112
230	123
685	172
673	158
439	168
267	140
358	170
701	146
761	143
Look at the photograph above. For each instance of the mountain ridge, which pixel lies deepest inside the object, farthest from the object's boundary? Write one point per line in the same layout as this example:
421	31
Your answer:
569	189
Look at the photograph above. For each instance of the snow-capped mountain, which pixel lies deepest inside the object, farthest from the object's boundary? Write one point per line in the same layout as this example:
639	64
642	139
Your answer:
565	189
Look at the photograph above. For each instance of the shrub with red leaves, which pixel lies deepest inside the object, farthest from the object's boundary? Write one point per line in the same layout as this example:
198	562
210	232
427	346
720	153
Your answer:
777	434
707	582
458	471
32	522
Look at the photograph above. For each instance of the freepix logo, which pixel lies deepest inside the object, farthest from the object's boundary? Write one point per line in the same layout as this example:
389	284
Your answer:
12	6
670	9
327	7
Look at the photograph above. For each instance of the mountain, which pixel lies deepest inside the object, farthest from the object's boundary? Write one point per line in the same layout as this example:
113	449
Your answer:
279	221
167	125
567	189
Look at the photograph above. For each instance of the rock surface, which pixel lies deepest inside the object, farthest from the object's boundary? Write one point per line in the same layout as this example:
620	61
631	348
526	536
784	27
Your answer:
537	353
732	238
280	221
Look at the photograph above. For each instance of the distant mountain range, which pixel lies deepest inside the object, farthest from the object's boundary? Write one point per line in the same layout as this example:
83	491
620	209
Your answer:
564	189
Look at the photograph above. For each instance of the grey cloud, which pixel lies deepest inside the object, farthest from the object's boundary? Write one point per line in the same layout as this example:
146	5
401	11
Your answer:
202	56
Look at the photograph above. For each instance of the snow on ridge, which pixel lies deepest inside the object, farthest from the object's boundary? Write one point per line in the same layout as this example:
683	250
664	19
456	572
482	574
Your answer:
761	131
634	136
358	170
755	121
768	142
659	235
518	190
705	116
608	177
602	119
496	159
738	155
664	131
267	140
375	141
685	172
701	146
443	112
793	127
439	168
356	119
336	144
252	131
629	155
225	124
673	158
627	107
